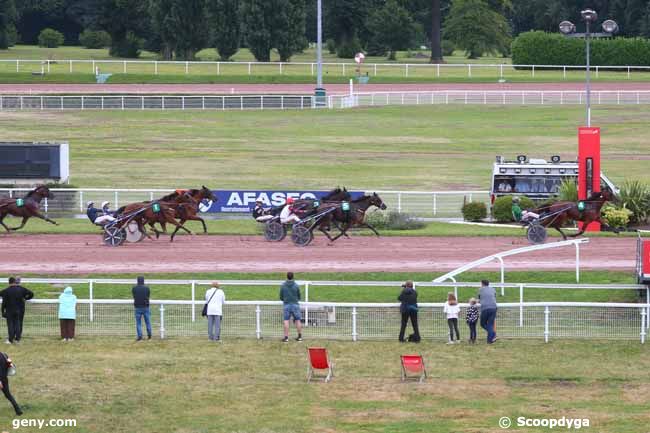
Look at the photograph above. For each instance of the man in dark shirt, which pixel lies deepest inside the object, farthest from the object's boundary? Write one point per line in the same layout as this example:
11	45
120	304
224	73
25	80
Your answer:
5	362
141	295
13	308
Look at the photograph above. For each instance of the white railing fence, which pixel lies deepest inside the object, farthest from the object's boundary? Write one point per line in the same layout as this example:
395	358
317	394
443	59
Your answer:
194	292
351	321
71	201
156	67
490	97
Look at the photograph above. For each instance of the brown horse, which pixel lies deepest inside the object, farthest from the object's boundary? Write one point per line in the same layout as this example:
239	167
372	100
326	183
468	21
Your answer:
355	217
26	207
146	213
561	212
187	205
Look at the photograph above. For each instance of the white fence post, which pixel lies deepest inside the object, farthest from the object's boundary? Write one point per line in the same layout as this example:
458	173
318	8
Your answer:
81	201
91	313
258	322
643	325
162	321
521	305
435	204
577	262
354	323
647	301
249	68
547	312
399	202
193	301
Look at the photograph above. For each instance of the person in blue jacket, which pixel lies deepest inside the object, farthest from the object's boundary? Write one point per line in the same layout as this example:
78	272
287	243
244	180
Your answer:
67	314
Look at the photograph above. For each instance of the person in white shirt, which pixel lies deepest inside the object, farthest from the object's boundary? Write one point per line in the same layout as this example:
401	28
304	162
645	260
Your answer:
214	298
452	310
287	216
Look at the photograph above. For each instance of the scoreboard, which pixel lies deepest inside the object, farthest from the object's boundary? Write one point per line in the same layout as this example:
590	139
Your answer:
27	162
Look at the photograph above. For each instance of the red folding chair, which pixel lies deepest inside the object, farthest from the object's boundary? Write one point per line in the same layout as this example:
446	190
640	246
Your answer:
413	367
319	360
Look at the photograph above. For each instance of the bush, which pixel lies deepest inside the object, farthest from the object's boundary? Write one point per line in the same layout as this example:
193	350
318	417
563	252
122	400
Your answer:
635	196
331	46
541	48
95	39
568	190
394	221
617	218
448	47
474	211
50	38
502	208
128	47
348	48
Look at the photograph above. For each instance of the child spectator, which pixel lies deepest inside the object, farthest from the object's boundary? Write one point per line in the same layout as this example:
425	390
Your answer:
472	318
452	310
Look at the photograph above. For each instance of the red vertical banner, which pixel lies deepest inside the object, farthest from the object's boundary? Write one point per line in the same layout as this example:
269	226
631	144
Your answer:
589	166
645	268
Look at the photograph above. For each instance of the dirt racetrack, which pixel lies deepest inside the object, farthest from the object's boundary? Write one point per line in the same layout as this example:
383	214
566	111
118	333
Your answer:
80	254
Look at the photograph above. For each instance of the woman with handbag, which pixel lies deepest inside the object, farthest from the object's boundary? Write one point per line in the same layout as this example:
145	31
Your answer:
213	310
409	310
7	368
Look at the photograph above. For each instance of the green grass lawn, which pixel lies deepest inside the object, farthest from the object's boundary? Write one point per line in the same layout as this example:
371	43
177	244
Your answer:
190	386
398	148
358	293
456	69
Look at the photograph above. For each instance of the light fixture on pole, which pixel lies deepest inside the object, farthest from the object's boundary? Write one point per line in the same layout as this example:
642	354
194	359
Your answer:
567	28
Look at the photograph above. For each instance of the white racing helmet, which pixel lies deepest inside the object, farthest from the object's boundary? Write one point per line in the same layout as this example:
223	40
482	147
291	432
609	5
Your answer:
90	203
105	203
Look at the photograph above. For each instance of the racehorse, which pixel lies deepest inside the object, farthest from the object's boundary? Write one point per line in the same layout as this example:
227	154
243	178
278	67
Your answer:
26	207
354	217
559	213
187	205
146	213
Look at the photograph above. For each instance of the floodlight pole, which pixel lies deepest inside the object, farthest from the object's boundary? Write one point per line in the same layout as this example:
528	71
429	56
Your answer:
319	45
588	83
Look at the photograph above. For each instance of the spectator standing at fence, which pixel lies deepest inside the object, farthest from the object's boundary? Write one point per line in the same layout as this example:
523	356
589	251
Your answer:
471	318
141	294
67	314
451	309
290	297
13	309
409	310
488	298
5	365
214	299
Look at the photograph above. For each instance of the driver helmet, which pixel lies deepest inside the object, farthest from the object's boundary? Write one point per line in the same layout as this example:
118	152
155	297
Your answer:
90	203
515	199
290	200
105	203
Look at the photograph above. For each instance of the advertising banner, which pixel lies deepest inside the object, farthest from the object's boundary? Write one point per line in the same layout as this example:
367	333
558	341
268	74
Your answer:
243	201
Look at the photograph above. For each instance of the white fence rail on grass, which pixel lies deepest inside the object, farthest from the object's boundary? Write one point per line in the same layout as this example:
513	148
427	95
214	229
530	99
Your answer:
303	102
194	290
155	67
490	97
352	321
69	201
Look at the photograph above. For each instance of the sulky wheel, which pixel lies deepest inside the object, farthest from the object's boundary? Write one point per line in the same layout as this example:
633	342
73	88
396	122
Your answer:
274	231
536	234
301	235
114	236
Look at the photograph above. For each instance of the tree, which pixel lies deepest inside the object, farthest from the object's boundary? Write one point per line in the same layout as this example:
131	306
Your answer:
345	19
289	31
7	20
476	28
189	23
392	28
160	11
50	38
224	18
126	21
256	16
436	31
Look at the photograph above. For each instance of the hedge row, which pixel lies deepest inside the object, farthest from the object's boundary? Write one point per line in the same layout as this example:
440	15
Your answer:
541	48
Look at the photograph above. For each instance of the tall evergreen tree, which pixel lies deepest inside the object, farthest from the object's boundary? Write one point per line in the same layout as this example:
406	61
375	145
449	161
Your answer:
224	19
289	31
188	20
126	21
257	20
392	28
7	19
160	11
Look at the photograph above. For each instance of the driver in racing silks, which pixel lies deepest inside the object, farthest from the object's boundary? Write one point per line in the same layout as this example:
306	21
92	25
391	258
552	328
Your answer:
519	215
259	213
288	215
106	208
97	216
